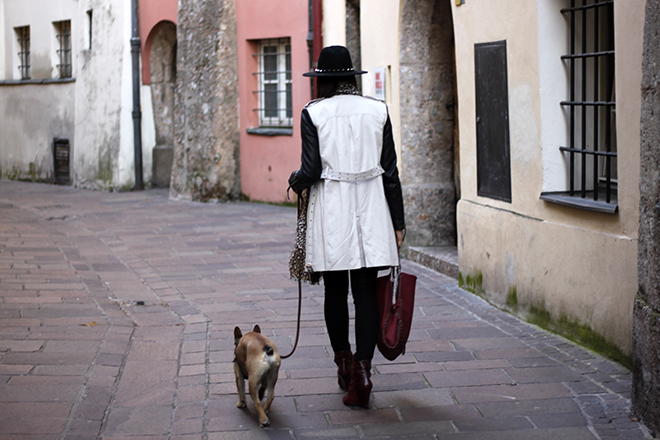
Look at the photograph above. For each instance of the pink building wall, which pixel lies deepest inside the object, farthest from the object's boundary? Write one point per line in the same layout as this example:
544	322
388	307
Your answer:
150	14
267	161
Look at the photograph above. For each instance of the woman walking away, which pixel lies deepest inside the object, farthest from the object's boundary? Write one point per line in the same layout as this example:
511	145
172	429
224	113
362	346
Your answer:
355	218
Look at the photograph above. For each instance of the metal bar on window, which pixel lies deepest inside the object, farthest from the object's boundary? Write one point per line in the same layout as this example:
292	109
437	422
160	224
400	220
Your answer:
596	109
274	79
589	103
24	51
572	108
590	152
583	113
610	86
64	52
587	55
574	8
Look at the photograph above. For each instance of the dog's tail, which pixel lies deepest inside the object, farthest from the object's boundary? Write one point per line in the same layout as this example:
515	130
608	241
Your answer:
269	350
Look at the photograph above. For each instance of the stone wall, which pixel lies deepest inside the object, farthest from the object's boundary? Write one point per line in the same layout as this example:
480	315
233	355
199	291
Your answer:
353	41
206	136
163	80
427	122
646	326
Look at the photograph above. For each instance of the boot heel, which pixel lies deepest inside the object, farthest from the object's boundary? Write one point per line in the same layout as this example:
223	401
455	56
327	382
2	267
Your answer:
344	361
359	389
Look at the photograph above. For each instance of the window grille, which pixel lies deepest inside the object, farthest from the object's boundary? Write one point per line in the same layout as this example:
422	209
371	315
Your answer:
591	108
63	29
274	79
23	36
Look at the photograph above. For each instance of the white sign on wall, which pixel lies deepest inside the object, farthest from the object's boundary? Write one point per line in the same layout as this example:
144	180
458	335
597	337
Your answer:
379	82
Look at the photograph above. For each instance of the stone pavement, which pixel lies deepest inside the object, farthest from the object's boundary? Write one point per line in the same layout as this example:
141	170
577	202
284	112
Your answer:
116	320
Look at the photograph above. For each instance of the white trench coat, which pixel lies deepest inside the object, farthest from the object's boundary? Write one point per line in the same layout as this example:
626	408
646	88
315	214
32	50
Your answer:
349	225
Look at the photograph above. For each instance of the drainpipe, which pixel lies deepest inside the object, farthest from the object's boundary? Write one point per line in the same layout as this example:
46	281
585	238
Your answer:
314	36
137	114
310	43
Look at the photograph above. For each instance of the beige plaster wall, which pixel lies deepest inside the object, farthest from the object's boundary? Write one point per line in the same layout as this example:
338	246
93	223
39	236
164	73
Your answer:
334	23
379	23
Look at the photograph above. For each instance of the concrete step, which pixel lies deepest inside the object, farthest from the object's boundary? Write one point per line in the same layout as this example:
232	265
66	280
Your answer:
443	259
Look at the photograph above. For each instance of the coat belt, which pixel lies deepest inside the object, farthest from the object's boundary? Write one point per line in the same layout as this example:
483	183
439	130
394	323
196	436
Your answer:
351	177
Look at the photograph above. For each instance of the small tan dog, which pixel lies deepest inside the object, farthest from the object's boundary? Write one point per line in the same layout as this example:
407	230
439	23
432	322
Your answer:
257	360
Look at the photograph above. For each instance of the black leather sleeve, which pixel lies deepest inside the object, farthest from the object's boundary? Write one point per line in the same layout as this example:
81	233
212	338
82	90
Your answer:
391	181
310	159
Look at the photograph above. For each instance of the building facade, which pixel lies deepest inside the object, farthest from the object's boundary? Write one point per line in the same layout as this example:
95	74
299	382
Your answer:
646	328
518	126
272	54
65	86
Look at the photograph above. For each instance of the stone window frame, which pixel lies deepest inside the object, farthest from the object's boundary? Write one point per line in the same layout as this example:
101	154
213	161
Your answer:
274	78
590	110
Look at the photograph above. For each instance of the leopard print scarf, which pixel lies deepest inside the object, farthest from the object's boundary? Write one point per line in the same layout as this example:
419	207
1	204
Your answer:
347	88
297	267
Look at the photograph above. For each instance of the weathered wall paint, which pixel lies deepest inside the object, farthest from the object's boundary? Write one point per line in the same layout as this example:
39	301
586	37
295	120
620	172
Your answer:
576	263
267	161
97	104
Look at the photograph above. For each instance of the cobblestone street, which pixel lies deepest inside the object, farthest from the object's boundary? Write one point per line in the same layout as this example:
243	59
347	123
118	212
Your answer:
117	313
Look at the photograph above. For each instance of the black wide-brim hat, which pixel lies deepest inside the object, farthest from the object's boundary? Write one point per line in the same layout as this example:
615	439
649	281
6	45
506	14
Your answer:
334	61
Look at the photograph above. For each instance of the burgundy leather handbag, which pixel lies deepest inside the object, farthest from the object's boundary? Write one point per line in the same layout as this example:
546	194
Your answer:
396	300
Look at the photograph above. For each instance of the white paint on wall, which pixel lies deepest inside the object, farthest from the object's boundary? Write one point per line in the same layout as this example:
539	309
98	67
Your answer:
334	23
148	132
2	39
379	25
553	79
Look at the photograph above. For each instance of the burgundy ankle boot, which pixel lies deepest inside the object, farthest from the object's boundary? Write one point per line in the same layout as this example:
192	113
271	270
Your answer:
360	385
344	361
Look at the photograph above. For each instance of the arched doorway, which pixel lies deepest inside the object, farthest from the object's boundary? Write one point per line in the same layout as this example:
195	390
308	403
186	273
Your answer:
163	80
429	171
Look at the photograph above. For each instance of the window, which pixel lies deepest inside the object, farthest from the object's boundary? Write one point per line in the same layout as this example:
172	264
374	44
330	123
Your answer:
63	34
274	78
591	153
23	38
89	29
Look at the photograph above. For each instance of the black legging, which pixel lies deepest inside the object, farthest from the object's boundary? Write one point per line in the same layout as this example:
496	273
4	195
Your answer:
363	287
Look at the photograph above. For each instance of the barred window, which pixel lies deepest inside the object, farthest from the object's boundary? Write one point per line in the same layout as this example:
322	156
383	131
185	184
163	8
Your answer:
23	38
274	79
591	153
63	34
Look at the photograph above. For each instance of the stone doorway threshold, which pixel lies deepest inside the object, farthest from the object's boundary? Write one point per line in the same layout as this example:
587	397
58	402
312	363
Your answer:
443	259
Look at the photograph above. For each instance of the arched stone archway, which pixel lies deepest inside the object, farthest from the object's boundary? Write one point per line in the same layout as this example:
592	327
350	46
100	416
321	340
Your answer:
428	122
163	81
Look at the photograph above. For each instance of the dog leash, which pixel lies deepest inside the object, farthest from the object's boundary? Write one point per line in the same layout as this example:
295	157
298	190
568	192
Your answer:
295	344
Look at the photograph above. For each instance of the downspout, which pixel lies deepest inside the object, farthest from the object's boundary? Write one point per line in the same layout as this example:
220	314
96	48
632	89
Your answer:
310	44
314	36
137	113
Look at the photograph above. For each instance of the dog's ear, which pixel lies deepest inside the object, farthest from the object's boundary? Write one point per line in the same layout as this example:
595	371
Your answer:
256	329
237	334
